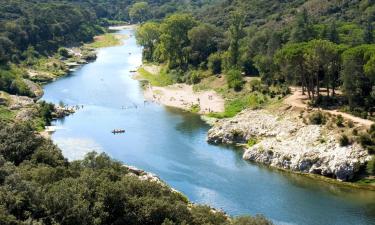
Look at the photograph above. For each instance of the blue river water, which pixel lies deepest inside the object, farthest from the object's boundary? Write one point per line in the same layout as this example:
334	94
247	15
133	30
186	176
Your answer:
172	144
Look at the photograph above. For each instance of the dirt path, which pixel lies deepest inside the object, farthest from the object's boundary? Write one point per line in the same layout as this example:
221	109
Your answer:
298	100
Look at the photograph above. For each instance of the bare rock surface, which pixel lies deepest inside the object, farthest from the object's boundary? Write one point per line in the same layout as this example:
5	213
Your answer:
284	141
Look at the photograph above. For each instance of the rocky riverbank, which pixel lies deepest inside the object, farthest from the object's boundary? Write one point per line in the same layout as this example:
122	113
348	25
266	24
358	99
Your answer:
281	139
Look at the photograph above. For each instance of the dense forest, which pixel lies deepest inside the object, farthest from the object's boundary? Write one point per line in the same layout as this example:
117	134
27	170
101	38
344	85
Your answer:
321	46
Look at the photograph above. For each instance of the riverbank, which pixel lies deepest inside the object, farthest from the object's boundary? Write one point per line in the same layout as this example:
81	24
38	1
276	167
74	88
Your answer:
283	139
181	96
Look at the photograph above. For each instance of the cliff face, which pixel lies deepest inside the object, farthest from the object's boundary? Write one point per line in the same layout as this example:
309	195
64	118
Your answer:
284	141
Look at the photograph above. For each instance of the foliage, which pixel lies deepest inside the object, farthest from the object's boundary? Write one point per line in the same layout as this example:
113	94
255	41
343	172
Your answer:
105	40
234	79
37	184
251	142
317	118
233	106
344	140
139	12
215	63
371	166
148	35
161	79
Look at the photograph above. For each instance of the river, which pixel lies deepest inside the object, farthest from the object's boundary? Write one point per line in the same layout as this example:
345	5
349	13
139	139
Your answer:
171	144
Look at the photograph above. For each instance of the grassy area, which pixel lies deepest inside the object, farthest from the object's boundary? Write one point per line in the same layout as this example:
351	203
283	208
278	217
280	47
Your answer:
233	106
105	40
52	66
6	114
161	79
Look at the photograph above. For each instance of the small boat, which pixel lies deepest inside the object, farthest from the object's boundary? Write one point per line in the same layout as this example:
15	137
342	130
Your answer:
118	131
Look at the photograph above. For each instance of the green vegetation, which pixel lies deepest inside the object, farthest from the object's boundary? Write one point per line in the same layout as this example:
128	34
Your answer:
38	184
321	50
317	118
195	108
233	106
251	142
161	79
6	114
105	40
344	140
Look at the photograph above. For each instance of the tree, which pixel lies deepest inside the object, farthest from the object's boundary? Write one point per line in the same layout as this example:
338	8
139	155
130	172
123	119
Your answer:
321	57
291	62
234	79
368	36
18	142
204	40
215	63
148	35
236	33
174	40
358	76
139	12
332	34
303	30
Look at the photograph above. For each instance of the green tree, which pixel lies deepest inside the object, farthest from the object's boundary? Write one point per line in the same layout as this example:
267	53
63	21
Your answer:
148	35
139	12
302	30
204	40
234	79
358	76
333	34
174	40
368	36
236	33
215	63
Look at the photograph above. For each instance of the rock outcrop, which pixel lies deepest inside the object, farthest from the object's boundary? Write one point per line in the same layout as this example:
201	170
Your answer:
284	141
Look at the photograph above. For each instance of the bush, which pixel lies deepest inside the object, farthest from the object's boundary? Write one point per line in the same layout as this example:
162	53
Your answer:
251	142
344	140
18	142
365	140
340	121
234	79
371	166
249	220
215	63
63	52
317	118
194	77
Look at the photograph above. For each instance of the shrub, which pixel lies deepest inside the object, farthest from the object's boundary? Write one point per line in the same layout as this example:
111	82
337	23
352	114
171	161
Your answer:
249	220
365	139
371	166
194	77
317	118
255	85
63	52
234	79
344	140
215	63
251	142
340	121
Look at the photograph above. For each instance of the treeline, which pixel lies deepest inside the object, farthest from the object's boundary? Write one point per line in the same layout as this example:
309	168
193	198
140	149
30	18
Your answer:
321	54
39	186
49	24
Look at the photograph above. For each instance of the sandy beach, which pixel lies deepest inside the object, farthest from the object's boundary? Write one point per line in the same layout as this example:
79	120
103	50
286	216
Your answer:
183	96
